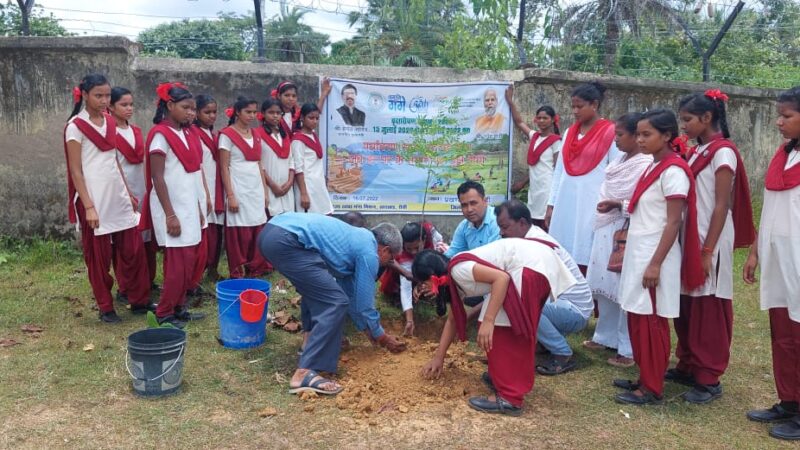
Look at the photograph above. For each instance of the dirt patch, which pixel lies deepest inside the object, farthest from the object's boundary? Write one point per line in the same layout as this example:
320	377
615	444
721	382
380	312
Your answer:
381	386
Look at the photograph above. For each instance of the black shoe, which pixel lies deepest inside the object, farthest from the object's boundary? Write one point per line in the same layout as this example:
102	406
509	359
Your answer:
631	398
142	309
677	376
172	320
778	413
789	431
499	406
182	313
122	298
628	385
487	380
703	393
110	317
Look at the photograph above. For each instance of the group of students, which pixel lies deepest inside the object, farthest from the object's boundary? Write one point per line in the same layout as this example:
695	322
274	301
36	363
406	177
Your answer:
652	225
649	225
185	188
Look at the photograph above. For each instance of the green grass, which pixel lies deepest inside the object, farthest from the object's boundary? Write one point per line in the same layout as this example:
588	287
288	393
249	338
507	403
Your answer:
54	394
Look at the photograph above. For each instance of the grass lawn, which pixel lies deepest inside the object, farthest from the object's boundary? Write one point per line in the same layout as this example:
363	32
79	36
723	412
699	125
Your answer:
55	394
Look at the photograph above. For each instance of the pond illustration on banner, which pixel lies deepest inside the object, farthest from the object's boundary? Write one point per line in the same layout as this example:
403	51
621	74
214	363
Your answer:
369	129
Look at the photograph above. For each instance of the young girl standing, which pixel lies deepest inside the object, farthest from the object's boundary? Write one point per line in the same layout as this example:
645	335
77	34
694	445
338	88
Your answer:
778	252
276	159
311	191
588	148
245	190
622	175
203	128
101	203
177	198
543	151
131	157
650	285
286	94
724	221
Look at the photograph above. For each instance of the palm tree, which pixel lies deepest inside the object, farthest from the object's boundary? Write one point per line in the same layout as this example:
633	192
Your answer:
288	39
615	17
405	32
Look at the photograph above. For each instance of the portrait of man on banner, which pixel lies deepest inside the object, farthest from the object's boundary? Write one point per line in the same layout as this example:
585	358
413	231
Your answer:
350	114
491	122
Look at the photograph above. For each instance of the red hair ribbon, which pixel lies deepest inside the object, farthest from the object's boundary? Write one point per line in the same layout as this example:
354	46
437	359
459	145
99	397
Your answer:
557	120
273	93
716	94
437	282
163	90
229	112
260	117
76	94
680	144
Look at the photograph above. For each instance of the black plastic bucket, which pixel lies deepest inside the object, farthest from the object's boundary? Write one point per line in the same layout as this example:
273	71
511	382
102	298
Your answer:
156	360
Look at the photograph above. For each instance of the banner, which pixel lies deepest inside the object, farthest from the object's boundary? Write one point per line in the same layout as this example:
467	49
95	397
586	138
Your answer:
375	138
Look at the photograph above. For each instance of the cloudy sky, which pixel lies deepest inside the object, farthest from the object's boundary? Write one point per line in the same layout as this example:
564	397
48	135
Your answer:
128	18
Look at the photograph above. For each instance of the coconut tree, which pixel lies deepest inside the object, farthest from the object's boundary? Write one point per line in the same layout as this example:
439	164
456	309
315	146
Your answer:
607	20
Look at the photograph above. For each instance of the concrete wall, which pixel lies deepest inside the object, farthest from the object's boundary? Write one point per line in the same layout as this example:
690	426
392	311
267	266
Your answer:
36	75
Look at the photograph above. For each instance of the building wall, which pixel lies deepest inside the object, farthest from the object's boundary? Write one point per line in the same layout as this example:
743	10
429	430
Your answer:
37	74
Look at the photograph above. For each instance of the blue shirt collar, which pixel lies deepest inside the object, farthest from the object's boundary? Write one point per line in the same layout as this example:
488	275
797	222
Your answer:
488	217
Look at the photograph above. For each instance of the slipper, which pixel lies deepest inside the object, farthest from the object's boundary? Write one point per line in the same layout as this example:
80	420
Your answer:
306	385
554	367
592	345
621	361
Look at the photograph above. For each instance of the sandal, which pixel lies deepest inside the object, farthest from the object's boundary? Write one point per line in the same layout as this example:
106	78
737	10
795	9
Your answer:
554	367
621	361
306	385
592	345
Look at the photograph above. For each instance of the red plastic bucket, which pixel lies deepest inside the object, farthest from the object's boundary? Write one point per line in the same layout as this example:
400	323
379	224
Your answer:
252	303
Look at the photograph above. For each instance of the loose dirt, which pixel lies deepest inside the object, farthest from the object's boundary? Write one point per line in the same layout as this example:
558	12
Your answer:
380	385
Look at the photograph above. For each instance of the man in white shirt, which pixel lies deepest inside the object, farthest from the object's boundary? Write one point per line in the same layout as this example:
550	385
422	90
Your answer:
570	312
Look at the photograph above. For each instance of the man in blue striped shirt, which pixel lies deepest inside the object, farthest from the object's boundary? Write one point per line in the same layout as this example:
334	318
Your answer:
333	266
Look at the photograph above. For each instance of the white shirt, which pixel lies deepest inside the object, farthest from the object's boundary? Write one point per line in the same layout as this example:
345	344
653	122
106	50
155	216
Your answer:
313	170
184	195
134	173
779	247
541	177
647	224
278	171
104	181
579	295
574	201
513	256
719	284
248	187
210	173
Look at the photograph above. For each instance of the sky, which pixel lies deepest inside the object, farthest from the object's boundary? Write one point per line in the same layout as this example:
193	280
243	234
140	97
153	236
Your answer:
130	17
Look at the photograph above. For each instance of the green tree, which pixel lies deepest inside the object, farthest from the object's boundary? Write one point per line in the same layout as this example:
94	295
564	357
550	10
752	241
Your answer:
399	32
11	22
604	22
230	37
287	39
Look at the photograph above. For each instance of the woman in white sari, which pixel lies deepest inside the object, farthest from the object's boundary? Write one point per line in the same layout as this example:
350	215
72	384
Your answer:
621	176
